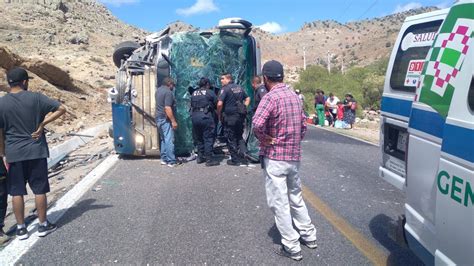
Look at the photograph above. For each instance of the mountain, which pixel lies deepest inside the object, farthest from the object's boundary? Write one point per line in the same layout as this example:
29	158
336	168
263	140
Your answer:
356	43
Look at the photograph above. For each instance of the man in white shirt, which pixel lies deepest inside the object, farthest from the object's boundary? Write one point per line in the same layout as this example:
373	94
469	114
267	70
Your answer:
331	104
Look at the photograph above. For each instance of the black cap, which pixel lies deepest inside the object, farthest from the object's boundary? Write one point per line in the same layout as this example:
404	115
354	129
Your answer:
17	74
273	69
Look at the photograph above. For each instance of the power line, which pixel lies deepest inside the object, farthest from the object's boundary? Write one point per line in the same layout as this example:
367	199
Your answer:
368	9
348	5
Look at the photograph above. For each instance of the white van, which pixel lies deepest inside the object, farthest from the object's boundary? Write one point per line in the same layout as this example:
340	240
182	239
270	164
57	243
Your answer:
427	132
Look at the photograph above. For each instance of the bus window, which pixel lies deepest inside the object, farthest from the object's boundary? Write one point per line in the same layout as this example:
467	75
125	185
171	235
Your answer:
470	97
411	54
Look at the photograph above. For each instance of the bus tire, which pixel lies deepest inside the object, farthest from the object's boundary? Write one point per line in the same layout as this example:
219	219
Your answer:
123	51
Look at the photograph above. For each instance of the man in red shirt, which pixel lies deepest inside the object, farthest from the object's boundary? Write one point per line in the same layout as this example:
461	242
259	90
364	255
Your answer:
280	124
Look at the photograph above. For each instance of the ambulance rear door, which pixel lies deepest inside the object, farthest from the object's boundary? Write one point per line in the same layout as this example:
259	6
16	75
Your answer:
403	72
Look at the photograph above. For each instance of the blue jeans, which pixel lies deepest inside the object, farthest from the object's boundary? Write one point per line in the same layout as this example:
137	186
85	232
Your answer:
166	140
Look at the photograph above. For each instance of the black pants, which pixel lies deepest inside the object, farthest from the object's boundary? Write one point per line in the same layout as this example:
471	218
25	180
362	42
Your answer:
3	193
233	130
203	133
333	116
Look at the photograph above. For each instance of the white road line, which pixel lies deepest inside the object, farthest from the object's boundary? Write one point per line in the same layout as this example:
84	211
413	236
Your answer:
17	248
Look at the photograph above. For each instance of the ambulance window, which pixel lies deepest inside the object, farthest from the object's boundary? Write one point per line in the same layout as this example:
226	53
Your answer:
470	97
414	47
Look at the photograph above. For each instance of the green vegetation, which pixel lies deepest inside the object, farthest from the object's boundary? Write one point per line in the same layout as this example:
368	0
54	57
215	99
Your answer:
364	83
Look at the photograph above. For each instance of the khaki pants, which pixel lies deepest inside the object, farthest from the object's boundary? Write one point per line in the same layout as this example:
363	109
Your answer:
284	197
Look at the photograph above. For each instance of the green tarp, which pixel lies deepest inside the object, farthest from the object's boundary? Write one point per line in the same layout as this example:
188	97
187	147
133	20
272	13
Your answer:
194	56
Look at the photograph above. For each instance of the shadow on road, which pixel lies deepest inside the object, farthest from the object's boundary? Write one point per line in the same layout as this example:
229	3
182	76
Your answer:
79	209
274	234
381	227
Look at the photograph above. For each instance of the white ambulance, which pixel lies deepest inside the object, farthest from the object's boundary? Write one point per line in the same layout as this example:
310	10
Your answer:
427	132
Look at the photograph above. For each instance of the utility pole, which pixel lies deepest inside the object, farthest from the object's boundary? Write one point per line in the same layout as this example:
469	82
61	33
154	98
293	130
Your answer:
329	62
342	67
304	57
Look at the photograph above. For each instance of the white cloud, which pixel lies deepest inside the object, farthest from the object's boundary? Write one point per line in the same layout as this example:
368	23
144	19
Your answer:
200	7
412	5
272	27
119	2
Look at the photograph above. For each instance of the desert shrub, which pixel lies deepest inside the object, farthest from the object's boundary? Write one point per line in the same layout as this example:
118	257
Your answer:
365	83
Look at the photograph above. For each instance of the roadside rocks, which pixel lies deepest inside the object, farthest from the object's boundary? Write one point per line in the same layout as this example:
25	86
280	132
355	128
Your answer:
369	116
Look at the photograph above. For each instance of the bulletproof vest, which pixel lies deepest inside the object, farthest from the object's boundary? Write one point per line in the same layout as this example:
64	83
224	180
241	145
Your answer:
235	94
201	99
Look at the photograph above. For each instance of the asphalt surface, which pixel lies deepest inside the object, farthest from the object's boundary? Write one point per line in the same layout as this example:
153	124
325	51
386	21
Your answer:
146	213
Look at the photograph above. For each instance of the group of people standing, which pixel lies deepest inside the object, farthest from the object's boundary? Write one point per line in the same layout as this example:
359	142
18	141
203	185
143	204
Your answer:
339	114
229	108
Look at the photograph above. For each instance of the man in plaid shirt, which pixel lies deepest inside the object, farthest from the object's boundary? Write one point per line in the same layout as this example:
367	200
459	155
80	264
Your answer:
279	124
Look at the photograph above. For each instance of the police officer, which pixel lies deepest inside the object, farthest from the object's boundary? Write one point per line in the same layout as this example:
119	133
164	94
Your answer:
231	109
260	91
203	106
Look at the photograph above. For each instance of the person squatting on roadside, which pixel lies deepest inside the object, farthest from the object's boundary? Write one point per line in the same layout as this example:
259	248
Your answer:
165	120
203	106
280	125
232	109
23	118
331	105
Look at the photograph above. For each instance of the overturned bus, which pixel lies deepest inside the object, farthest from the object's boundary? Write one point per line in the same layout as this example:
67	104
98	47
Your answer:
186	57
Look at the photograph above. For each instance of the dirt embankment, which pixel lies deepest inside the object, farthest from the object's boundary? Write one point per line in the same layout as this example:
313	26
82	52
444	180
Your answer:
85	105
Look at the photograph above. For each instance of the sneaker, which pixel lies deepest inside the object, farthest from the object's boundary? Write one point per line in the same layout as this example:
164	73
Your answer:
212	163
163	163
22	233
309	244
172	165
44	230
294	256
233	163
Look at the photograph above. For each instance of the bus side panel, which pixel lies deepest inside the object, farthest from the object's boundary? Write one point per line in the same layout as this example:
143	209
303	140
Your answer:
122	128
155	138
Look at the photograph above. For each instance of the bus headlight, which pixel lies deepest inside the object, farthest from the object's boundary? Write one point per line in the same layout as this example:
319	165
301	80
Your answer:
139	139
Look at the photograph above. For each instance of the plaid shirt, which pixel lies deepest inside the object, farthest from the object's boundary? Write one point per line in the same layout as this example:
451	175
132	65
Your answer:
280	115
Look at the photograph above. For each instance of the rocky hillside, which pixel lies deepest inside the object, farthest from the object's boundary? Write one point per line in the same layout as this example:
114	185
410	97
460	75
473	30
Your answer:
67	45
356	43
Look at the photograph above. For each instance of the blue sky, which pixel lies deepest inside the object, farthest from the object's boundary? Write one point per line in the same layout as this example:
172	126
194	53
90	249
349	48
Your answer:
276	16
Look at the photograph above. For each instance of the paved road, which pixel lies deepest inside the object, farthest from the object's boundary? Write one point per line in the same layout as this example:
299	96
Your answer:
147	213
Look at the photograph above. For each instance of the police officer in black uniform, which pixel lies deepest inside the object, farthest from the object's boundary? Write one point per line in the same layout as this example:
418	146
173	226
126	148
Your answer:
232	110
203	107
260	91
